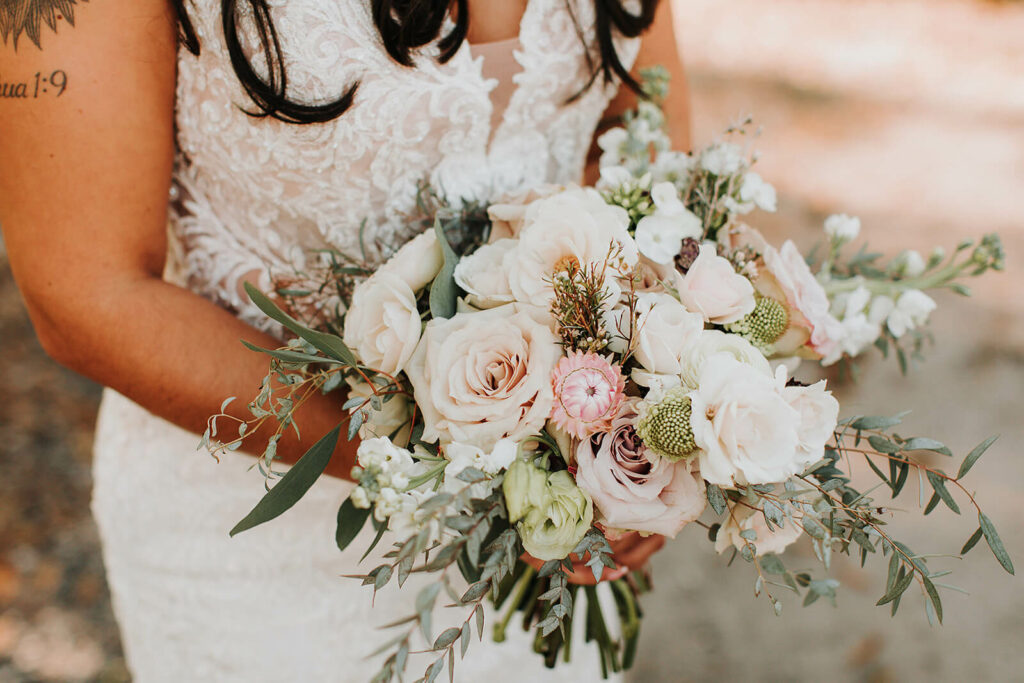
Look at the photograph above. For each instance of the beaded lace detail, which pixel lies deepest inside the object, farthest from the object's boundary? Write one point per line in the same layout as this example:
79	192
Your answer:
256	194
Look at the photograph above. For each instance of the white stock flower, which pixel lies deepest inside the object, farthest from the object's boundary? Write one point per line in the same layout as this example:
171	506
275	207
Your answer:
359	498
713	342
417	262
746	430
672	166
911	311
379	453
575	225
664	329
482	376
910	263
842	228
756	191
383	324
483	276
819	411
614	177
722	159
712	288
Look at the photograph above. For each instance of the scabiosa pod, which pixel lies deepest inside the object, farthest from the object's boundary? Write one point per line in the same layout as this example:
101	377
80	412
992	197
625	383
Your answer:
664	426
763	326
588	393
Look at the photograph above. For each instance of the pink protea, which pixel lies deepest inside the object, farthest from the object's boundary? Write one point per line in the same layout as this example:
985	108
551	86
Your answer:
588	393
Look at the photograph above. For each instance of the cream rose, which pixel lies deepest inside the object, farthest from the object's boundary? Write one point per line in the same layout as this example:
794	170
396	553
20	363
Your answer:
664	330
711	342
383	324
418	261
741	518
482	376
483	276
747	432
573	226
819	412
712	287
632	489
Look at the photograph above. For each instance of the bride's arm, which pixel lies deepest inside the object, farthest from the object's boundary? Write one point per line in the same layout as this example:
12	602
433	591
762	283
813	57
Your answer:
658	47
85	165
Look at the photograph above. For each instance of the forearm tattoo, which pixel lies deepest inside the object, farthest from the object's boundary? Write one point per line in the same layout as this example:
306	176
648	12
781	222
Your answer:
28	17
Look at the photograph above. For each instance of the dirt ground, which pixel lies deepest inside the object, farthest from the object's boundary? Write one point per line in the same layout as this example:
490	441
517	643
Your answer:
909	113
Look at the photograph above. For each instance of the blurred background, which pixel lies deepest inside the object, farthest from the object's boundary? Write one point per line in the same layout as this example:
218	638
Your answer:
908	113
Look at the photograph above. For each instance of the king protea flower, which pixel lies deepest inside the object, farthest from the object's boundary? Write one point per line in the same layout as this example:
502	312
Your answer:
588	392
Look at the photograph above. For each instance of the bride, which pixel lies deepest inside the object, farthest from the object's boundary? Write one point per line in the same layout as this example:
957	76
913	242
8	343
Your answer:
156	156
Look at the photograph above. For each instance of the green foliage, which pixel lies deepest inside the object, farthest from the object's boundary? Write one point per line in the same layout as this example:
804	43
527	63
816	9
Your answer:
293	484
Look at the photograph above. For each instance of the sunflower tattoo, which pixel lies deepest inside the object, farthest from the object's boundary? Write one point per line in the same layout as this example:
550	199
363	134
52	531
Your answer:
28	17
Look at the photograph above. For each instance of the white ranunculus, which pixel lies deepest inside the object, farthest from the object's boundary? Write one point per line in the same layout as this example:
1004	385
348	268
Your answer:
482	376
819	411
842	228
769	541
746	430
911	311
383	324
713	288
664	329
418	261
575	225
713	342
722	159
483	276
756	191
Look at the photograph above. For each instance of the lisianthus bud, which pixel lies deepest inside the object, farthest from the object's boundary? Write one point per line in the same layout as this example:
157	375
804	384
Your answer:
664	427
764	325
551	513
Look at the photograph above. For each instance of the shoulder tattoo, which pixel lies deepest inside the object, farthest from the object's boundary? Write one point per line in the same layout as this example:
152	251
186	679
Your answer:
28	17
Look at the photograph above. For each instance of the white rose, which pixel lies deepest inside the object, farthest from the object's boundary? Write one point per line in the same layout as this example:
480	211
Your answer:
819	411
483	277
482	376
712	342
769	541
745	428
382	324
575	225
722	159
842	228
713	288
664	329
395	413
418	261
756	191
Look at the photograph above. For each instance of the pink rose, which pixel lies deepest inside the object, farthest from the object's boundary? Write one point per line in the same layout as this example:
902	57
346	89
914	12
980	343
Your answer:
631	490
713	288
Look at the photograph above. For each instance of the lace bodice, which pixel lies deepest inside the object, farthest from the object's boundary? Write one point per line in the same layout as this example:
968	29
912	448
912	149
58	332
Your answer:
256	194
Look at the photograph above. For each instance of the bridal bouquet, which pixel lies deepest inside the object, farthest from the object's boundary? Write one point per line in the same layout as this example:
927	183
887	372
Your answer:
534	380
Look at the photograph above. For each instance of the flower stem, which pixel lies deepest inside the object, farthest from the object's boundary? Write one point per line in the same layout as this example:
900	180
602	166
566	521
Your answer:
517	598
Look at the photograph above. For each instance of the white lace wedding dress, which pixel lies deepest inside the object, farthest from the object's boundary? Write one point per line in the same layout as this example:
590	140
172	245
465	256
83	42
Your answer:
252	195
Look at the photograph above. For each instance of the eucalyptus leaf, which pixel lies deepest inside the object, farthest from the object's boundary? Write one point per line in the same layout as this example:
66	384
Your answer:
877	421
296	357
972	541
293	485
939	484
994	542
330	344
920	443
350	522
973	456
933	595
443	290
716	498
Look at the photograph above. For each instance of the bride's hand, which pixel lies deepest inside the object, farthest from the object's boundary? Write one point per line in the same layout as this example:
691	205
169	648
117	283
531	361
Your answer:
630	551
